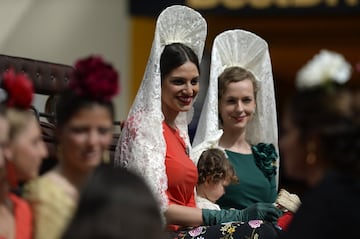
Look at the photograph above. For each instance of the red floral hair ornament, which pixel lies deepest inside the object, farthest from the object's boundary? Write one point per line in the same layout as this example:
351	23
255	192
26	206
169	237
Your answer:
19	88
95	78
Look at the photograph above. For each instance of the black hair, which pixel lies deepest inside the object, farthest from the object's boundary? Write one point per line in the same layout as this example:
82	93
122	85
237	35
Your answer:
69	103
331	116
316	109
174	55
116	204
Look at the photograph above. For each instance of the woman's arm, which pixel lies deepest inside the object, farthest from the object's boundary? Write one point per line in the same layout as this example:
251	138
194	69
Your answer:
182	215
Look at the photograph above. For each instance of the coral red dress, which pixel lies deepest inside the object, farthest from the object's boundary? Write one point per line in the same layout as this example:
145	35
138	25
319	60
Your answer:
23	217
182	176
180	170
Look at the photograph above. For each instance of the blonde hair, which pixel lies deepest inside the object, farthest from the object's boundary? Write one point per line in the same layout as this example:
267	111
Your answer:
18	121
235	74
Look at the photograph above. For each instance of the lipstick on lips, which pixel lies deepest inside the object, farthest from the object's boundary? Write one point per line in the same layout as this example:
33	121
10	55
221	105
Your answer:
185	100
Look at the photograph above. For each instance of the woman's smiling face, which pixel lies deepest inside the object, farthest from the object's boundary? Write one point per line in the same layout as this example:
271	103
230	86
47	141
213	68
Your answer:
237	104
179	88
86	137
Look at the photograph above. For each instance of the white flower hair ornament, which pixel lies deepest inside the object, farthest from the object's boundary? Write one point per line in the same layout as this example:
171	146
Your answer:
325	69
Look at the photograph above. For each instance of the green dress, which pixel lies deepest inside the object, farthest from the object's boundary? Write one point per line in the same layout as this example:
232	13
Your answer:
257	178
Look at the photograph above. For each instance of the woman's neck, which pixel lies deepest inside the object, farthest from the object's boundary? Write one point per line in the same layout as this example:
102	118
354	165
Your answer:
74	177
170	116
315	176
171	124
201	191
235	141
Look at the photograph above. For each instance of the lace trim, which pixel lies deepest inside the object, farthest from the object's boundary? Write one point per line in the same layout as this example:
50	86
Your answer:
241	48
211	142
141	146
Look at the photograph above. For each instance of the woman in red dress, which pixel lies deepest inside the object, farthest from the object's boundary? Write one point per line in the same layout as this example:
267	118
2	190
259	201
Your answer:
23	151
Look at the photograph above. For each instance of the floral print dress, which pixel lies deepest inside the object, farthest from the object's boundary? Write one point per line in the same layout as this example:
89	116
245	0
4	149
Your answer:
254	229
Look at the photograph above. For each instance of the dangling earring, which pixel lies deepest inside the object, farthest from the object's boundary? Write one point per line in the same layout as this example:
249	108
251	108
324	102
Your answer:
311	155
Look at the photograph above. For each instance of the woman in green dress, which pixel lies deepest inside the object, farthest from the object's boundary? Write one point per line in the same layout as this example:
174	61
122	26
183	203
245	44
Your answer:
239	116
254	164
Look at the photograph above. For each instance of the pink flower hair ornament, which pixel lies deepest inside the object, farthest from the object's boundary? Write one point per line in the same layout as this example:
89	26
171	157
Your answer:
95	78
19	89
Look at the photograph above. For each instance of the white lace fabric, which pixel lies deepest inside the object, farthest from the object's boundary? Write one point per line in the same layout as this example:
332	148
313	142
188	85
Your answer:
247	50
141	146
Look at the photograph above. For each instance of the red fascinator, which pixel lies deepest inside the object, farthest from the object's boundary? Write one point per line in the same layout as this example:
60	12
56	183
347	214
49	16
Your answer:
19	89
95	78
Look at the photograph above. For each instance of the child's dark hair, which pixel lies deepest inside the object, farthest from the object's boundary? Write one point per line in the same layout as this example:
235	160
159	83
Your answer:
214	166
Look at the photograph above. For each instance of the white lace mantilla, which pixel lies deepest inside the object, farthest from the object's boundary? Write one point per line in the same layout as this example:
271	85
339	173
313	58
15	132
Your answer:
141	145
249	51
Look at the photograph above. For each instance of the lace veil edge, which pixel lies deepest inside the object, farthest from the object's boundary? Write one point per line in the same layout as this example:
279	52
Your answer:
249	51
141	146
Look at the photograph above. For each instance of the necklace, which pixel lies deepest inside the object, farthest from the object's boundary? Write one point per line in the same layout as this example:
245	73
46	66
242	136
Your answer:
182	142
